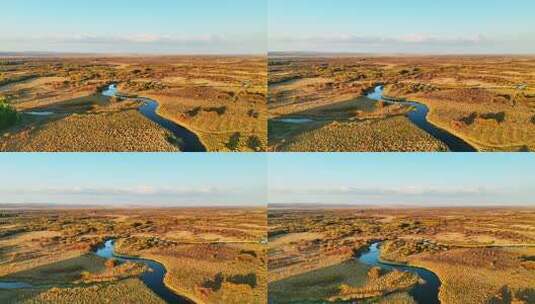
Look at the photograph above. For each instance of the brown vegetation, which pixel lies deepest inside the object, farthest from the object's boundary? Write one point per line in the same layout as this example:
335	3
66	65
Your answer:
215	97
480	255
488	101
211	255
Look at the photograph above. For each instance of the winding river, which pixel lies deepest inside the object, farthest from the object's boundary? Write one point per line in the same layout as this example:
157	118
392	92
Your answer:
153	279
419	118
188	141
426	293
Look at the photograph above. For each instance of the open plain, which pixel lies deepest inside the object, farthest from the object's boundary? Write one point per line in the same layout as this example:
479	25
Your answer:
60	103
210	255
319	102
422	255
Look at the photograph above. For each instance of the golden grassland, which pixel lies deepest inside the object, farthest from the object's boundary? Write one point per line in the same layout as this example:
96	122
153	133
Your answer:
221	99
224	106
211	255
482	275
122	131
317	285
392	134
128	291
378	285
360	124
481	255
488	101
311	260
343	282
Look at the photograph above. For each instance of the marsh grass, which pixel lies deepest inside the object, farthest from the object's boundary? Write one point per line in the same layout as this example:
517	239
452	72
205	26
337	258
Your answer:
124	291
214	97
481	255
377	286
99	132
489	101
480	276
360	125
319	284
392	134
53	249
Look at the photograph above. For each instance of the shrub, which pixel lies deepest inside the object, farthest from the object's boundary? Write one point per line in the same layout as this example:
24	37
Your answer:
111	263
254	143
374	273
216	283
248	279
8	115
234	141
219	110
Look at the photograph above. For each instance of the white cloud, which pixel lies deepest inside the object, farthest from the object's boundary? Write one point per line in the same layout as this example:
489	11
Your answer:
407	191
410	39
252	43
121	191
478	43
406	195
151	39
141	38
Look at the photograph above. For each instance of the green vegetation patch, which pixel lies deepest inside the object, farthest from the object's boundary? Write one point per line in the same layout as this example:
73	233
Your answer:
8	115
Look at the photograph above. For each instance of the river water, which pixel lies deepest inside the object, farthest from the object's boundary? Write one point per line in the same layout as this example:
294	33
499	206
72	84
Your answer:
187	140
426	293
14	285
295	120
419	118
153	279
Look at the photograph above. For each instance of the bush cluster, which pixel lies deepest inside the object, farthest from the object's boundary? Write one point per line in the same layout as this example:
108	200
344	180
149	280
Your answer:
8	114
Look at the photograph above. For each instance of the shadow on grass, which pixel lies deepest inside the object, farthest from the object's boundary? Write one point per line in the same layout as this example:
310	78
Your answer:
281	133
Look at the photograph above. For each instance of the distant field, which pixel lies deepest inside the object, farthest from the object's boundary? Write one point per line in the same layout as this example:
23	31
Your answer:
489	101
220	99
211	255
480	255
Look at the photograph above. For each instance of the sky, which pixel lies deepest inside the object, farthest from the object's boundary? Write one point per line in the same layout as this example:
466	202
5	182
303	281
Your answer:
134	179
255	179
402	26
135	26
392	179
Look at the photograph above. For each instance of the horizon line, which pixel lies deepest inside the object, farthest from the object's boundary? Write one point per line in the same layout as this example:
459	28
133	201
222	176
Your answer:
119	54
397	53
399	205
4	206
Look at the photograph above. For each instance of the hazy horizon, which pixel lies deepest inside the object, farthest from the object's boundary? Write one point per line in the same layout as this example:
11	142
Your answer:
136	26
385	54
123	54
408	27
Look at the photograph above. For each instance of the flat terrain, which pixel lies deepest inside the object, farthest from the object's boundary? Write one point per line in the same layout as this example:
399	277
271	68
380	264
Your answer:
211	255
480	255
220	99
488	101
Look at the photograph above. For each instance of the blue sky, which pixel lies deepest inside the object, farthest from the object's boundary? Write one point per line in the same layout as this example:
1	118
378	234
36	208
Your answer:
135	26
254	179
139	179
403	179
402	26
